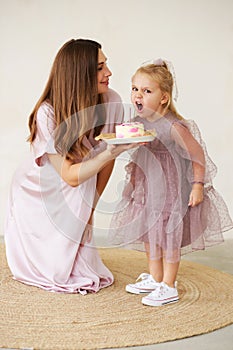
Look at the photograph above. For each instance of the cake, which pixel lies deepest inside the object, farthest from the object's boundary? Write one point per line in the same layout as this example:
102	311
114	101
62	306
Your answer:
127	130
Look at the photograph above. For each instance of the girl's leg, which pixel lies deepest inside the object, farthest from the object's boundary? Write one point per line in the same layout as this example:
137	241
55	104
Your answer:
155	265
167	293
145	283
156	269
170	270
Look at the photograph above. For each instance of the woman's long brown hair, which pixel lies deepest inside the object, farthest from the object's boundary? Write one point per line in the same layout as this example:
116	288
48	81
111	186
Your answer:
71	89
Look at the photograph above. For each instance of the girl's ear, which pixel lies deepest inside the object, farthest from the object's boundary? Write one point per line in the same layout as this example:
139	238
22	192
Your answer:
164	98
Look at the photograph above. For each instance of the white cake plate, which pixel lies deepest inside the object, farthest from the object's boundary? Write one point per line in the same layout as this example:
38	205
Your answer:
118	141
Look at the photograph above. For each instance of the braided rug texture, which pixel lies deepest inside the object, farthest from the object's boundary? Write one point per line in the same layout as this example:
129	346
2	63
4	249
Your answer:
37	319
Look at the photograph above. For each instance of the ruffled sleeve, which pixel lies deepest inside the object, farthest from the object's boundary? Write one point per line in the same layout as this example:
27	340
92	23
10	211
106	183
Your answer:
190	145
211	168
44	141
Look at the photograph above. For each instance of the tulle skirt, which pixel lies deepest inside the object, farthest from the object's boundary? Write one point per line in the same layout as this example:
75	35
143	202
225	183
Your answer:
154	215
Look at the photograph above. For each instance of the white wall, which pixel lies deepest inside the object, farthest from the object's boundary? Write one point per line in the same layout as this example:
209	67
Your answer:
197	36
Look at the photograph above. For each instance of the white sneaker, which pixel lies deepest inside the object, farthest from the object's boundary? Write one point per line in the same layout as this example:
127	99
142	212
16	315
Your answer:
146	284
161	296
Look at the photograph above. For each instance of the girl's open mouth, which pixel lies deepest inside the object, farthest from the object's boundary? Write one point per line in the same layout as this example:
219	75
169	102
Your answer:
139	106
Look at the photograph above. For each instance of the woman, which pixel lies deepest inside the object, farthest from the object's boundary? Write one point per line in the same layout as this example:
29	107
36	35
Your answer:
54	193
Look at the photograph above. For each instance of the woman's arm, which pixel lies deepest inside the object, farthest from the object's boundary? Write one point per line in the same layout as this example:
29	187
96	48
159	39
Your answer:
75	174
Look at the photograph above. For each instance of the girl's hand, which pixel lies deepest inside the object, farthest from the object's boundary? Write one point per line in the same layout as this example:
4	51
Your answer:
196	195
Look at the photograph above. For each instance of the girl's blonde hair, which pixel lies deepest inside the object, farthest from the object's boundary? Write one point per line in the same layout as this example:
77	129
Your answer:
71	89
163	77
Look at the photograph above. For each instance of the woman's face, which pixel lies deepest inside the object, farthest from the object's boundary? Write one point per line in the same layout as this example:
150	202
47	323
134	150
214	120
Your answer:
103	73
146	96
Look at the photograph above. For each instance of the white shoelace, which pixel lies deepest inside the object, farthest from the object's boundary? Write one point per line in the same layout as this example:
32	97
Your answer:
142	277
161	290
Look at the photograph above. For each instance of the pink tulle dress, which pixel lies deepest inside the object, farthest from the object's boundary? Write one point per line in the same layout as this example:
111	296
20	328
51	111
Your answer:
46	217
153	214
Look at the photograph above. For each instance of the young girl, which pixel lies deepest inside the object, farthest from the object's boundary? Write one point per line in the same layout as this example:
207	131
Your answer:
54	193
169	206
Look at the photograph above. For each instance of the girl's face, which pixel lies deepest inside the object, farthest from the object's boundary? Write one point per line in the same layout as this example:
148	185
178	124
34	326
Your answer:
147	97
103	73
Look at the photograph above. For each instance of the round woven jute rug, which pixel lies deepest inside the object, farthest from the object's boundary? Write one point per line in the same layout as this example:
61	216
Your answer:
37	319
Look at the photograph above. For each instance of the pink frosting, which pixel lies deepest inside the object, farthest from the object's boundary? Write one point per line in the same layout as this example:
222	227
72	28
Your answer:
133	130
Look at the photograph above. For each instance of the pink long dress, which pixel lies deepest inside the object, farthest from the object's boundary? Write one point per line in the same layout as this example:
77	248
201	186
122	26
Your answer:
46	217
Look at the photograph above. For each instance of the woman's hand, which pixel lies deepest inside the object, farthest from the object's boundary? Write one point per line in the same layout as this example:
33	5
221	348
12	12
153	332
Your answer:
196	195
116	150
